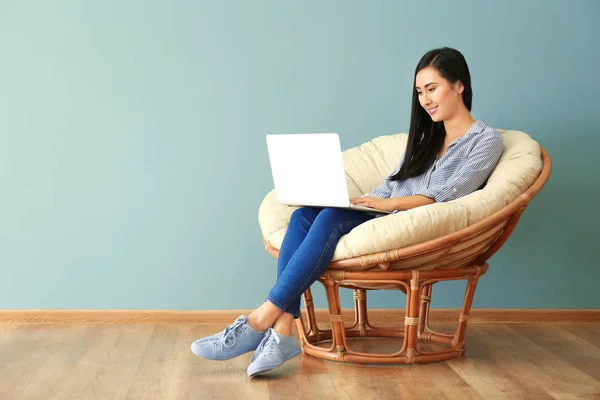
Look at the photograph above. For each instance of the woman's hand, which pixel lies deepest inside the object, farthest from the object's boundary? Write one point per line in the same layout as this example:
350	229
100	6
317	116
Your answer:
374	202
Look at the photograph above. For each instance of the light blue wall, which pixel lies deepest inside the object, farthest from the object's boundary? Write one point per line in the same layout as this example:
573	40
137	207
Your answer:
132	151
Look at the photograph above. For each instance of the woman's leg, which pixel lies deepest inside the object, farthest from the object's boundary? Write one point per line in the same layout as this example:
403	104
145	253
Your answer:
308	262
300	223
305	265
284	324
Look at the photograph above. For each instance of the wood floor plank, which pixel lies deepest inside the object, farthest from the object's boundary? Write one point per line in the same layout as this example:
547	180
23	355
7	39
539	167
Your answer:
532	365
588	332
432	381
569	347
486	370
154	361
22	360
157	374
37	357
107	368
63	347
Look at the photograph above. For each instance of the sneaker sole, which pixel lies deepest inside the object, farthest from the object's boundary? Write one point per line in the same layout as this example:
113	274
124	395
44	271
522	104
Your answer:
267	368
197	351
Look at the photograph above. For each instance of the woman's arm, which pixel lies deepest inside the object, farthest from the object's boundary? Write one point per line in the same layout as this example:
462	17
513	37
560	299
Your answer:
408	202
393	203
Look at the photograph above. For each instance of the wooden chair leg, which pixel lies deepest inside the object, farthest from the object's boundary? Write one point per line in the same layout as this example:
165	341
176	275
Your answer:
458	341
309	304
360	311
335	316
411	320
424	308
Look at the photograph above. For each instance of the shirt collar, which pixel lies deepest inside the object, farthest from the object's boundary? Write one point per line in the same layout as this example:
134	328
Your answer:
478	126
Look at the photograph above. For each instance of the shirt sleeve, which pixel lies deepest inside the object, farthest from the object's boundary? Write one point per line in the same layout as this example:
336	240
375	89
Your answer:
384	190
473	173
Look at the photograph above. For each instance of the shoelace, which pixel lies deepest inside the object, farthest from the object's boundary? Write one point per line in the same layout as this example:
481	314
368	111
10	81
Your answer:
266	346
230	333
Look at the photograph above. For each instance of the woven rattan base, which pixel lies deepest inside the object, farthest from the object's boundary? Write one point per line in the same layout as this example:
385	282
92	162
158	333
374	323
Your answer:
416	334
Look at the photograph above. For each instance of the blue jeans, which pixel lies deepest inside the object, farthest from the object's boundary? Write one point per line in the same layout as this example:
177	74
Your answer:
307	249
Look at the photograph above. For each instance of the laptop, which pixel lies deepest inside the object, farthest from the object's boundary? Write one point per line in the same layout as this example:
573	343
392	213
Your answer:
308	170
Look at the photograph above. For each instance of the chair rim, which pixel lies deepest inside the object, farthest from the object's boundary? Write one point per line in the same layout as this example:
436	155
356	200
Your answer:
514	208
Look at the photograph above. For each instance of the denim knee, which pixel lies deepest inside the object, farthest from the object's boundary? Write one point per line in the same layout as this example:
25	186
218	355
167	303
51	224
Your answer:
334	213
303	212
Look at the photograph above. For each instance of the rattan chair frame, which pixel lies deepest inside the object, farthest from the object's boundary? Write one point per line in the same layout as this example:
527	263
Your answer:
481	240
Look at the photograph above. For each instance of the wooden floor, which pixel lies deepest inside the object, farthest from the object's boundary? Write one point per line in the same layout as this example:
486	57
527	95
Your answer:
146	361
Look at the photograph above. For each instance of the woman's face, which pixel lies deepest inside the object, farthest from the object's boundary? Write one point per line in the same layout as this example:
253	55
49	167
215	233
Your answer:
436	95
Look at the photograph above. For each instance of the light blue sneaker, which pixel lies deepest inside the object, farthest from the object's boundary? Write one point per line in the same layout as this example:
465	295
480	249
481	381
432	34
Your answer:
272	352
237	339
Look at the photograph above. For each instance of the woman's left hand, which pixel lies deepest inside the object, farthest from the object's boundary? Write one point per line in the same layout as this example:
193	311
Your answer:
374	202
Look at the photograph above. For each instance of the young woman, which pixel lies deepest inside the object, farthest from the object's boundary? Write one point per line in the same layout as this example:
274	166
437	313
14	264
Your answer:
448	155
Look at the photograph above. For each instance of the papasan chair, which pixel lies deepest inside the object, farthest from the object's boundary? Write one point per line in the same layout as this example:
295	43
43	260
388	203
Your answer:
411	251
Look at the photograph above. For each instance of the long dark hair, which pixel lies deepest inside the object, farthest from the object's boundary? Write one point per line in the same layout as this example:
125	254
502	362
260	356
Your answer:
426	137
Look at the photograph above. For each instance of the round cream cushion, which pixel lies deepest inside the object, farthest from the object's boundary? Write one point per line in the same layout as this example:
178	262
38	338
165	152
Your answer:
369	164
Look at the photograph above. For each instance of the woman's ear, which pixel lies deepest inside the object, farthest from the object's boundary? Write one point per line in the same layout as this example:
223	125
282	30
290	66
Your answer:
461	88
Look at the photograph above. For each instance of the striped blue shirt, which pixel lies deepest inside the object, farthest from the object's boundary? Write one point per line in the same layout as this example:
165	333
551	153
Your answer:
464	168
